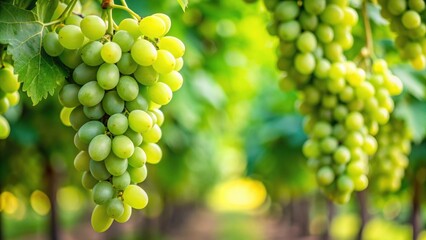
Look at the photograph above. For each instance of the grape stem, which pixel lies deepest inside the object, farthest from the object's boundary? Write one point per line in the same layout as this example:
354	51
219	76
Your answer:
110	22
128	10
64	15
368	32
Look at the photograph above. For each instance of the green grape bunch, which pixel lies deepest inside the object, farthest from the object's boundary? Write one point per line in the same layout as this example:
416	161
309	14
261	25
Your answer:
121	76
405	17
391	160
9	95
344	105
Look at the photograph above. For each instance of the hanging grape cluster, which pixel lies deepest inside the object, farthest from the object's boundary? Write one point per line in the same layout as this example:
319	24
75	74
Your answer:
343	104
9	95
119	81
405	17
391	159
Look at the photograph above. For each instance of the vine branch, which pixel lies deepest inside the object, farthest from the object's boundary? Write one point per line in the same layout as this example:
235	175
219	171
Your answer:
368	32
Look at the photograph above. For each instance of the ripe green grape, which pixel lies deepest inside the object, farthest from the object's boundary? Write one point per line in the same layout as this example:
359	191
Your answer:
93	27
100	219
71	37
84	73
286	10
68	95
4	128
172	45
115	165
77	118
173	79
131	26
138	159
124	39
126	214
94	113
143	52
81	161
102	192
99	170
135	197
306	42
90	130
152	135
107	76
127	88
88	181
51	44
153	152
126	64
91	53
140	121
146	75
111	52
117	124
160	93
115	208
152	26
122	181
91	94
112	103
71	58
65	116
122	146
100	147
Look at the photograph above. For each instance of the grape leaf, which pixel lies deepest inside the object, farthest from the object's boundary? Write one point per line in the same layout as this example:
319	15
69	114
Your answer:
183	4
413	112
23	31
45	9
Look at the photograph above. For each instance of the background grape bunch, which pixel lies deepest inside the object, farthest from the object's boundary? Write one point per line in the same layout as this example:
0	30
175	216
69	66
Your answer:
405	17
121	76
343	104
391	160
9	95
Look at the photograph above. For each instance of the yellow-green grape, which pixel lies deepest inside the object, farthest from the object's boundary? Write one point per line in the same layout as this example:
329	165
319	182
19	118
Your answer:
71	37
153	152
173	45
144	52
130	25
65	116
165	62
166	21
4	128
152	26
93	27
160	93
126	214
100	220
135	197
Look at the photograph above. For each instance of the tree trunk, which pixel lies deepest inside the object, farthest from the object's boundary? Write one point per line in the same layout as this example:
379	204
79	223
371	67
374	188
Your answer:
362	200
415	215
52	185
331	212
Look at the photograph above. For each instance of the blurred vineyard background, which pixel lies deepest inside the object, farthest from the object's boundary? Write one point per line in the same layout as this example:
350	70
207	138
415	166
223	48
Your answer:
232	166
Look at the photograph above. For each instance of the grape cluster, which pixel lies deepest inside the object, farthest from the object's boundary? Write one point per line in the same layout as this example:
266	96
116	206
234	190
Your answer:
9	95
119	82
342	124
391	159
343	104
405	17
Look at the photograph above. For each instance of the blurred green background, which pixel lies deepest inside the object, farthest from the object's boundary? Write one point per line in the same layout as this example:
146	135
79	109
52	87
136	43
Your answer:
232	166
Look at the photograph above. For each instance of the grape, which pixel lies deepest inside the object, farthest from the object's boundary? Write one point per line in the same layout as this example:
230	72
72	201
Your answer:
73	20
4	128
138	175
146	75
111	52
140	103
165	62
93	27
152	135
124	39
325	176
172	45
100	147
98	170
71	58
286	11
166	21
305	63
100	219
160	93
84	73
306	42
126	214
91	53
88	181
179	64
91	94
102	192
115	208
332	14
65	116
134	136
135	197
68	95
81	161
173	79
138	159
90	130
314	6
107	76
122	146
118	124
152	26
127	88
143	52
115	165
51	44
131	26
112	103
122	181
126	64
140	121
94	113
289	31
153	152
71	37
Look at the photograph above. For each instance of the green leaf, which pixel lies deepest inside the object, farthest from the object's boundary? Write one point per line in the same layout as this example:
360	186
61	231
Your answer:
183	4
413	112
45	9
24	32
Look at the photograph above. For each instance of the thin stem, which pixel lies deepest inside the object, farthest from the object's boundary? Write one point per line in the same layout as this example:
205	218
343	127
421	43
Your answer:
368	32
130	11
123	2
110	22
